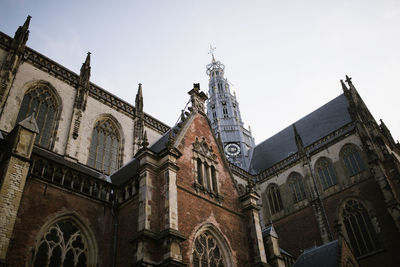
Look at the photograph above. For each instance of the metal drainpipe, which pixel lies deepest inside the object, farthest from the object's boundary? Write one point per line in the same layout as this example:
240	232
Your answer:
318	195
114	215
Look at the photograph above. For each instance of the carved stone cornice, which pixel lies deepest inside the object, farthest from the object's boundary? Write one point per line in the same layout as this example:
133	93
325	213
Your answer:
204	149
62	73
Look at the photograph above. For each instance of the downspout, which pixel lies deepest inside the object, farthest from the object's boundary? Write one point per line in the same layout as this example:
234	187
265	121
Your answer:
319	199
115	218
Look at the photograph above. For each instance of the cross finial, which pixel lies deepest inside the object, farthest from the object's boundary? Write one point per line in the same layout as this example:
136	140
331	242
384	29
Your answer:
211	51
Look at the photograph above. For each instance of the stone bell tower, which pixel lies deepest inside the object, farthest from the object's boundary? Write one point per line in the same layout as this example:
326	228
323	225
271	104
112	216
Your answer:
224	114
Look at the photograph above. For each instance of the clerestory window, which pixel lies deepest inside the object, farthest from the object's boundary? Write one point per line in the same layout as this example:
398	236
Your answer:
274	199
42	100
296	187
326	173
105	146
352	160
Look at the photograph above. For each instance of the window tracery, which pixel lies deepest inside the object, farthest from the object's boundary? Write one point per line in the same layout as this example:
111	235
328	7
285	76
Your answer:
41	99
274	199
326	173
297	187
206	173
359	228
105	146
61	245
352	160
207	252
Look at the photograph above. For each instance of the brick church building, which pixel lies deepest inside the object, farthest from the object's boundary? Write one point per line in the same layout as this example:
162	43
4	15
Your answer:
86	179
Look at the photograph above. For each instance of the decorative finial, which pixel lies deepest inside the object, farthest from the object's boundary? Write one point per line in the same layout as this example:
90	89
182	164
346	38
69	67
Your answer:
350	83
344	87
211	51
171	141
145	142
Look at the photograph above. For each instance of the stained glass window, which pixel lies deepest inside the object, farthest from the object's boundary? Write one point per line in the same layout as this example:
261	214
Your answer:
104	147
296	187
206	252
41	100
326	173
61	245
274	199
359	228
352	160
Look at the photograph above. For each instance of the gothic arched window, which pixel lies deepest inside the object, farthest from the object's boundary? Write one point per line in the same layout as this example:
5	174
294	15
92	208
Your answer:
326	173
296	187
62	245
207	252
105	146
352	160
42	100
274	199
359	228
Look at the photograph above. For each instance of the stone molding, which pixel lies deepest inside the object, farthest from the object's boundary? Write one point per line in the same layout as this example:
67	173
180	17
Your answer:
62	73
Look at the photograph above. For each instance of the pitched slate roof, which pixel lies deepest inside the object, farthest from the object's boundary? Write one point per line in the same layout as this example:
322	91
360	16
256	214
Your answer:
326	255
125	173
311	128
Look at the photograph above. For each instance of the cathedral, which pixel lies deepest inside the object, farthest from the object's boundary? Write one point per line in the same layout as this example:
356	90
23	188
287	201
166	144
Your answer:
87	179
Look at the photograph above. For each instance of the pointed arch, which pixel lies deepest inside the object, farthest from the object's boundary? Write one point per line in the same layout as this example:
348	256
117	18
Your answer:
42	97
357	226
351	157
296	186
326	173
210	248
106	145
65	238
274	198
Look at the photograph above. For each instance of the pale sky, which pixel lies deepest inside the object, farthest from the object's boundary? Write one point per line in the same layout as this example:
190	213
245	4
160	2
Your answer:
284	59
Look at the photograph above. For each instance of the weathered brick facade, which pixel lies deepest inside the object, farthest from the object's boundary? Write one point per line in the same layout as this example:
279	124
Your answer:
174	195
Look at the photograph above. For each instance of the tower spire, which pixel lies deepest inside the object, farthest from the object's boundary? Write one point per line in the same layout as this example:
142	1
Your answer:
211	51
224	114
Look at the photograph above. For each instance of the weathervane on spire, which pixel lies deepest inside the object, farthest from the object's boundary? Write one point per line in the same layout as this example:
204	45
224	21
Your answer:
211	51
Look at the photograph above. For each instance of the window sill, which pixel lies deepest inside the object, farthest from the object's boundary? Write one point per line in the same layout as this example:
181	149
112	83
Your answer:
201	189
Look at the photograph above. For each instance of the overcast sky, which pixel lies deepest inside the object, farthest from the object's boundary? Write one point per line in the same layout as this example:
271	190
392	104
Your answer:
283	58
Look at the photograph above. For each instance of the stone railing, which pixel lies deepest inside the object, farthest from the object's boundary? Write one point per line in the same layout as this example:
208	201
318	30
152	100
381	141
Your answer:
71	179
312	148
62	73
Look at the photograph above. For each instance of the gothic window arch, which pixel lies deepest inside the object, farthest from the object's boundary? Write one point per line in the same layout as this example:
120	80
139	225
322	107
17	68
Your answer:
296	186
105	147
41	99
65	242
274	199
205	162
326	173
210	249
359	229
352	159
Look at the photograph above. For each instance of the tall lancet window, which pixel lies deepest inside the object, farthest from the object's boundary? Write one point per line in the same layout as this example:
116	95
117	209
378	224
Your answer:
359	228
42	100
105	146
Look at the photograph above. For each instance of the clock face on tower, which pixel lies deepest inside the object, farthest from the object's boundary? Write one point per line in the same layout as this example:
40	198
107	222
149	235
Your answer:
232	150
